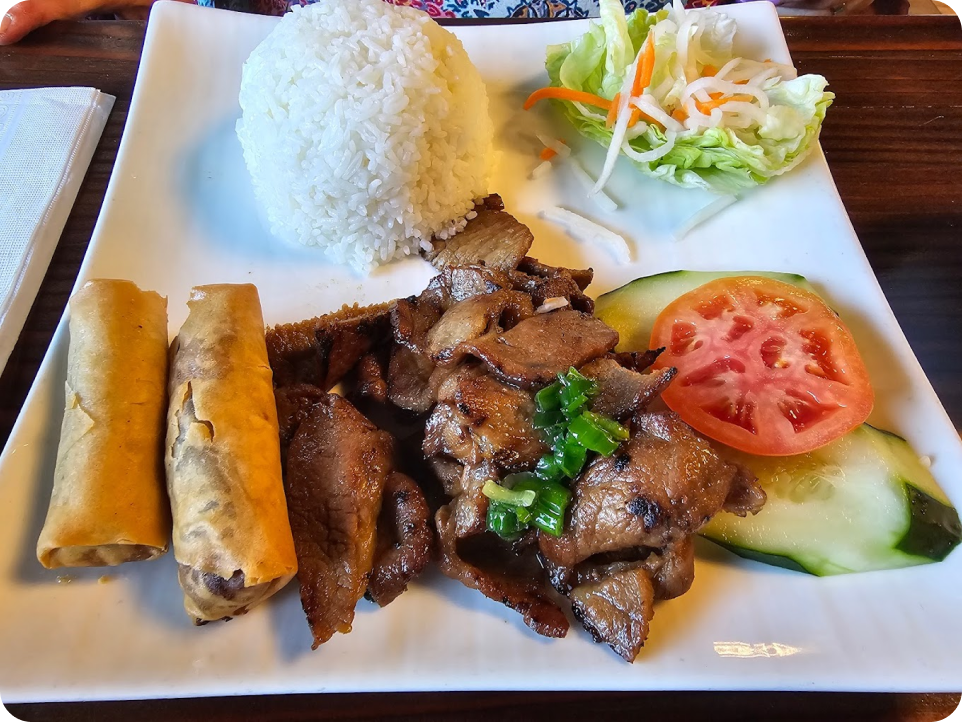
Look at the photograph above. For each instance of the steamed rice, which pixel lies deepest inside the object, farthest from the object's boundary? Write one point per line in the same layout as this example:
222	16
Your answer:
365	128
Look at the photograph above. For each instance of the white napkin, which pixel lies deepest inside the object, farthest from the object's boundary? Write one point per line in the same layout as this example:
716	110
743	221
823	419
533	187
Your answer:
47	138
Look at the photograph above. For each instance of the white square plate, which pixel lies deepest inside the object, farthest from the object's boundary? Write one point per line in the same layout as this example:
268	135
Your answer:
179	211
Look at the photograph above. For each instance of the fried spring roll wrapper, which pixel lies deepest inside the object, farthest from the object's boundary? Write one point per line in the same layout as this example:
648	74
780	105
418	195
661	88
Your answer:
232	537
108	504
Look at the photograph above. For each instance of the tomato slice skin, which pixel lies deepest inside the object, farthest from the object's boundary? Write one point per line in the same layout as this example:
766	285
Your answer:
763	366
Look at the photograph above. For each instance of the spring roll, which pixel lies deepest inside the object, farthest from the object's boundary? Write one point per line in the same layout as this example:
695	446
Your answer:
232	537
109	504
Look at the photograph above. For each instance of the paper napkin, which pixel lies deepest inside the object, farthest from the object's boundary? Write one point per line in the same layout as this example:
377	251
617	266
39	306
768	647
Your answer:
47	138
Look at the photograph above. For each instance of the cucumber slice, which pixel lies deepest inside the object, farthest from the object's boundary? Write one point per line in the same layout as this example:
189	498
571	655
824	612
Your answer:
861	503
632	309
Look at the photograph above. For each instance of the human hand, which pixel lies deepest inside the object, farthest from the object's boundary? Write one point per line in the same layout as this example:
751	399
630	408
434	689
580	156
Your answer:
31	14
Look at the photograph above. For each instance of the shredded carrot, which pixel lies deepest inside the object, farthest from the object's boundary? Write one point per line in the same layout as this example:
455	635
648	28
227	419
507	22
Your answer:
576	96
548	153
680	114
709	71
613	111
708	106
645	69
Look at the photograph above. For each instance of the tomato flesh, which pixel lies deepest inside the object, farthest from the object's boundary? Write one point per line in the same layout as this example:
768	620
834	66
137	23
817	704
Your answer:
763	366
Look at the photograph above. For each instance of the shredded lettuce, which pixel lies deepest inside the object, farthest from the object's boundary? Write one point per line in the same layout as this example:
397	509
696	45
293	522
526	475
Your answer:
725	151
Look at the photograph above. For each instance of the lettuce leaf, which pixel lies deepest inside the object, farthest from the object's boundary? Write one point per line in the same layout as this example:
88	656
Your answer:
723	160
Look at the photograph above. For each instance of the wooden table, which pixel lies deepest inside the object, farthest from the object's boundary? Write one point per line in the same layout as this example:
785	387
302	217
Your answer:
894	143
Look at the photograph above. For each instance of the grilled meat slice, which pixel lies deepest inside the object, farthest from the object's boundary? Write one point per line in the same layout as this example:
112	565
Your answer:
534	267
662	485
672	569
746	495
617	610
469	508
412	318
492	237
404	539
370	377
558	283
464	282
337	466
479	419
526	596
321	350
469	319
294	404
408	379
622	392
535	351
637	360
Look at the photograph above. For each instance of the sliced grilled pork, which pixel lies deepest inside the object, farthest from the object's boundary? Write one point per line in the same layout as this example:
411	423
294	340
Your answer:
404	539
492	237
622	392
469	319
320	351
337	465
617	610
480	419
525	595
662	485
535	351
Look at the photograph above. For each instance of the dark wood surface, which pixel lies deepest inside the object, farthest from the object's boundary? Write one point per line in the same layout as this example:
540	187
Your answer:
894	142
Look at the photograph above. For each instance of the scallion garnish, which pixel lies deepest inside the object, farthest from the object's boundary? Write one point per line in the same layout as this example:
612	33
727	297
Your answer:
540	498
572	456
503	521
615	430
592	436
511	497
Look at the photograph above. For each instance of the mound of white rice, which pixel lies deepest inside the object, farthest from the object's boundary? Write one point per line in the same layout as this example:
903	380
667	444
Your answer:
365	129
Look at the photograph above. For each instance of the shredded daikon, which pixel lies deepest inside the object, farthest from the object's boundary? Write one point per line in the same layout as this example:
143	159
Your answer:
646	104
712	209
556	145
588	113
727	68
582	229
540	170
653	154
726	87
621	126
602	199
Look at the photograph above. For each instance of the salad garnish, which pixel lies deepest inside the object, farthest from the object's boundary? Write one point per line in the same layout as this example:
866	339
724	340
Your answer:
667	90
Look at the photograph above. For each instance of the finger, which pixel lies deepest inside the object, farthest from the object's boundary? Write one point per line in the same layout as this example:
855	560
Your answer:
21	19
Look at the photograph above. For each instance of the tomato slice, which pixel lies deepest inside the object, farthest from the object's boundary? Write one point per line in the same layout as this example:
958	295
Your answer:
763	366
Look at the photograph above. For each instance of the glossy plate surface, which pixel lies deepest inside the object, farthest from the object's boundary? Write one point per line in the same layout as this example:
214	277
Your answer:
179	211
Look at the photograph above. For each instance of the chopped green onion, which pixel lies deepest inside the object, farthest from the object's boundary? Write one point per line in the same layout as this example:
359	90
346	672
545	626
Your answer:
512	480
572	456
549	468
547	419
592	436
555	433
503	521
495	492
549	509
575	383
572	406
524	515
615	430
549	398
